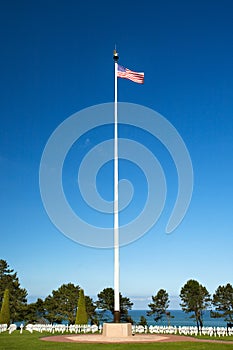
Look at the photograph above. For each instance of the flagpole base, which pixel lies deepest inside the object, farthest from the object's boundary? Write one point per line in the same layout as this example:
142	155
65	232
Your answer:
117	317
117	330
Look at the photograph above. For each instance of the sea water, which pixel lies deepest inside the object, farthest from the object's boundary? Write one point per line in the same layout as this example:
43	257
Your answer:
180	319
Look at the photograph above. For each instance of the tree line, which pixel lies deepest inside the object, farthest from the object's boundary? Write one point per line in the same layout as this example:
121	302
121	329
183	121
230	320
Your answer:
68	303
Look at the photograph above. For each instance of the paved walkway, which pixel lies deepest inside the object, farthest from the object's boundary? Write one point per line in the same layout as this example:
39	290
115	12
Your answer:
144	338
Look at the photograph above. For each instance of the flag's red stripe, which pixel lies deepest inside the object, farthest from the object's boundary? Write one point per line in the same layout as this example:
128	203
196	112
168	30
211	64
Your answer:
139	78
134	76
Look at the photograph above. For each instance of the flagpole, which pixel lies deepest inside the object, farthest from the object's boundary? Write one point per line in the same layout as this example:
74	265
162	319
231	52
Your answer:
116	207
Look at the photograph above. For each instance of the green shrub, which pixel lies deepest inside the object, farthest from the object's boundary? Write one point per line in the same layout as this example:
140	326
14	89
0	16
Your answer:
5	309
81	315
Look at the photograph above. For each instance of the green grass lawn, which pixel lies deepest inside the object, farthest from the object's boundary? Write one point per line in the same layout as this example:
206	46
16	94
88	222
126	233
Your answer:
28	341
228	338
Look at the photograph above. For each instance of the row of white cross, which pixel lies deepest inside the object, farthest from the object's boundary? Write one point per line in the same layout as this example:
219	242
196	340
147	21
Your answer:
10	329
182	330
75	328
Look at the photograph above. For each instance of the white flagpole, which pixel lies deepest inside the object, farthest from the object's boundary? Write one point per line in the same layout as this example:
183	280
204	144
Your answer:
116	208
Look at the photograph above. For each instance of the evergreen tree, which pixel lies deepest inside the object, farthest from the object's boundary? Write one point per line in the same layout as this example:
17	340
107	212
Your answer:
62	304
159	306
10	281
106	303
81	316
223	301
195	298
5	309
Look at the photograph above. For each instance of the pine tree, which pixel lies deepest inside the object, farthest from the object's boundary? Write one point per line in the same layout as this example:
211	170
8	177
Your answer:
195	298
61	304
159	305
223	301
5	309
106	303
18	300
81	316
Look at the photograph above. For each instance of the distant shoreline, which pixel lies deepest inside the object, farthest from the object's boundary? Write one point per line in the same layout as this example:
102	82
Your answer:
180	318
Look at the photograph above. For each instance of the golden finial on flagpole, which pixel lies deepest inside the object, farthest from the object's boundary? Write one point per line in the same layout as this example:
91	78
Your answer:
115	55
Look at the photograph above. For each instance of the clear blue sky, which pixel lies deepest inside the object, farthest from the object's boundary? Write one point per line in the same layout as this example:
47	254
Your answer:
56	59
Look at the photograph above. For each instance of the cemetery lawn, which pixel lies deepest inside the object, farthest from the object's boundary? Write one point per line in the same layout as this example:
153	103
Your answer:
28	341
228	338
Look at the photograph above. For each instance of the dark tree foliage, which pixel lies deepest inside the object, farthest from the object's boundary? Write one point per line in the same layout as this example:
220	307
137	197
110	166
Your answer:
223	301
62	304
159	306
127	318
105	302
143	321
91	310
195	298
18	295
35	312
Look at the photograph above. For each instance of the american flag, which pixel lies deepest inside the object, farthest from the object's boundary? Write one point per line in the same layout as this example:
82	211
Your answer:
126	73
